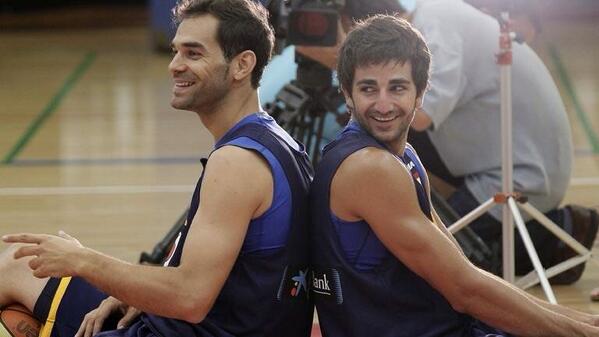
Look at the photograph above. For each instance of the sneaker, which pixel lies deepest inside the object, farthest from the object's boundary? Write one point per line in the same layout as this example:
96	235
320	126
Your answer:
584	223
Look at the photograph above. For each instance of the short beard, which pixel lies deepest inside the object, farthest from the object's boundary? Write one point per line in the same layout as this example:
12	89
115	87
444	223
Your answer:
402	133
205	103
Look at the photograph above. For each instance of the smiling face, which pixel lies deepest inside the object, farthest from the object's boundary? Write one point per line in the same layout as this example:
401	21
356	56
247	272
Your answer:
199	69
383	100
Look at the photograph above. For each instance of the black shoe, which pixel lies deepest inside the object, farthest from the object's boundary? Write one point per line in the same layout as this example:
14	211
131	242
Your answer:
584	224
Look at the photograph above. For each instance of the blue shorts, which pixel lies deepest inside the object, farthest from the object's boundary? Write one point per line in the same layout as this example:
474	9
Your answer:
79	298
137	329
480	329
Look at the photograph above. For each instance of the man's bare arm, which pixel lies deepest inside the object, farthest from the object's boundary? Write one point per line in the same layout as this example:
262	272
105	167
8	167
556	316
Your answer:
187	292
437	220
388	203
574	314
444	230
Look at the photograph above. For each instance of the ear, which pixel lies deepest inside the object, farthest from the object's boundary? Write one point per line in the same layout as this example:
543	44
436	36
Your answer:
348	99
243	64
418	104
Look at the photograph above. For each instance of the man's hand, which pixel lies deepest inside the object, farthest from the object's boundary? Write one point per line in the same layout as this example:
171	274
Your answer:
94	320
593	320
55	256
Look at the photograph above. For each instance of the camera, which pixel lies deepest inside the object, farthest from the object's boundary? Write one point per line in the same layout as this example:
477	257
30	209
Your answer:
304	22
301	105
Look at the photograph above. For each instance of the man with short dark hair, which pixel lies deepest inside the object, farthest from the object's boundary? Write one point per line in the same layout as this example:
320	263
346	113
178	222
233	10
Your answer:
383	262
239	265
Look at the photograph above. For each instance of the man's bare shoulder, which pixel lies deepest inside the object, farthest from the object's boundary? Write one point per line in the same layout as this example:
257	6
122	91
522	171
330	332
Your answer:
370	163
240	173
235	159
366	180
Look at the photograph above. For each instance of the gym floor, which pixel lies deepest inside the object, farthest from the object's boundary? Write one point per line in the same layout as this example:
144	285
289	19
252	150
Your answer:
90	145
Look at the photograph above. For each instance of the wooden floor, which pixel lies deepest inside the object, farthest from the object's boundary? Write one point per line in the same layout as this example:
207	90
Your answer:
110	162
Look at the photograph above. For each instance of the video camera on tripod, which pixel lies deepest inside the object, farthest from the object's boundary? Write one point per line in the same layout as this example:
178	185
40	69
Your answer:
304	22
301	105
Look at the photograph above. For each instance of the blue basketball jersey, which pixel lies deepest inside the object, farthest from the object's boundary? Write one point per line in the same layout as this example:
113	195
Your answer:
362	249
266	291
360	288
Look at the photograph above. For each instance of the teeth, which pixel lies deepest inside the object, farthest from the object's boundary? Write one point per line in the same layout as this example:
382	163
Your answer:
184	84
384	119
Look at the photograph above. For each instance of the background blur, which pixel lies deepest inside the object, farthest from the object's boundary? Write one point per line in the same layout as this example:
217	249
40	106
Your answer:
89	143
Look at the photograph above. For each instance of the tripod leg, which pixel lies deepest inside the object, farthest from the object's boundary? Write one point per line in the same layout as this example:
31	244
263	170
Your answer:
468	218
475	249
532	253
508	243
555	229
531	279
584	254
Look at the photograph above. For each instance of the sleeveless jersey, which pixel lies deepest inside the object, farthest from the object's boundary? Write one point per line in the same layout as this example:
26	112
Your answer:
266	291
362	249
371	294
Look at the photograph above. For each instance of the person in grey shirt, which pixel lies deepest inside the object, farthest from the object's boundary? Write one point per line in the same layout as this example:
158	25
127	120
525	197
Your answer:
460	128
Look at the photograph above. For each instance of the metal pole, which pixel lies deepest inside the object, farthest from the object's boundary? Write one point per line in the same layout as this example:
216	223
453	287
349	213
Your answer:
532	253
505	61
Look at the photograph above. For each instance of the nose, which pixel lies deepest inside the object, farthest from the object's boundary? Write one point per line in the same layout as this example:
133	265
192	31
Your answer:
176	65
384	103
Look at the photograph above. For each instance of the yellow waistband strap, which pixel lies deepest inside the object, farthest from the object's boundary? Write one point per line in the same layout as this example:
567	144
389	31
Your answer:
62	288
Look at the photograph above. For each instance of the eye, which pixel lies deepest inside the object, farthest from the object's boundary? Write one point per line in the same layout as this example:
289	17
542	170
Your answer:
367	89
192	54
398	88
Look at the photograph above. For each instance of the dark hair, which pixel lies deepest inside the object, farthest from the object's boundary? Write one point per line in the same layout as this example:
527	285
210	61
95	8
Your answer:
380	39
243	25
361	9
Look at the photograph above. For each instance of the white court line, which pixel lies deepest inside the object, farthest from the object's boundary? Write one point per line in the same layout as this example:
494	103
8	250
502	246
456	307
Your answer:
585	181
82	190
140	189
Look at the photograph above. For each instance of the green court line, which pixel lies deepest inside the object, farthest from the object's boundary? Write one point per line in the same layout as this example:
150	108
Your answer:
583	118
68	84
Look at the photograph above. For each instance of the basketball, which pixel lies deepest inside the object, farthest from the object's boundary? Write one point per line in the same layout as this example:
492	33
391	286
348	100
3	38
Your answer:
17	321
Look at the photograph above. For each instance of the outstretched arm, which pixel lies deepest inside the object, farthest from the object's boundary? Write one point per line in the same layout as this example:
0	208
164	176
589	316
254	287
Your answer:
437	219
571	313
229	202
387	201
